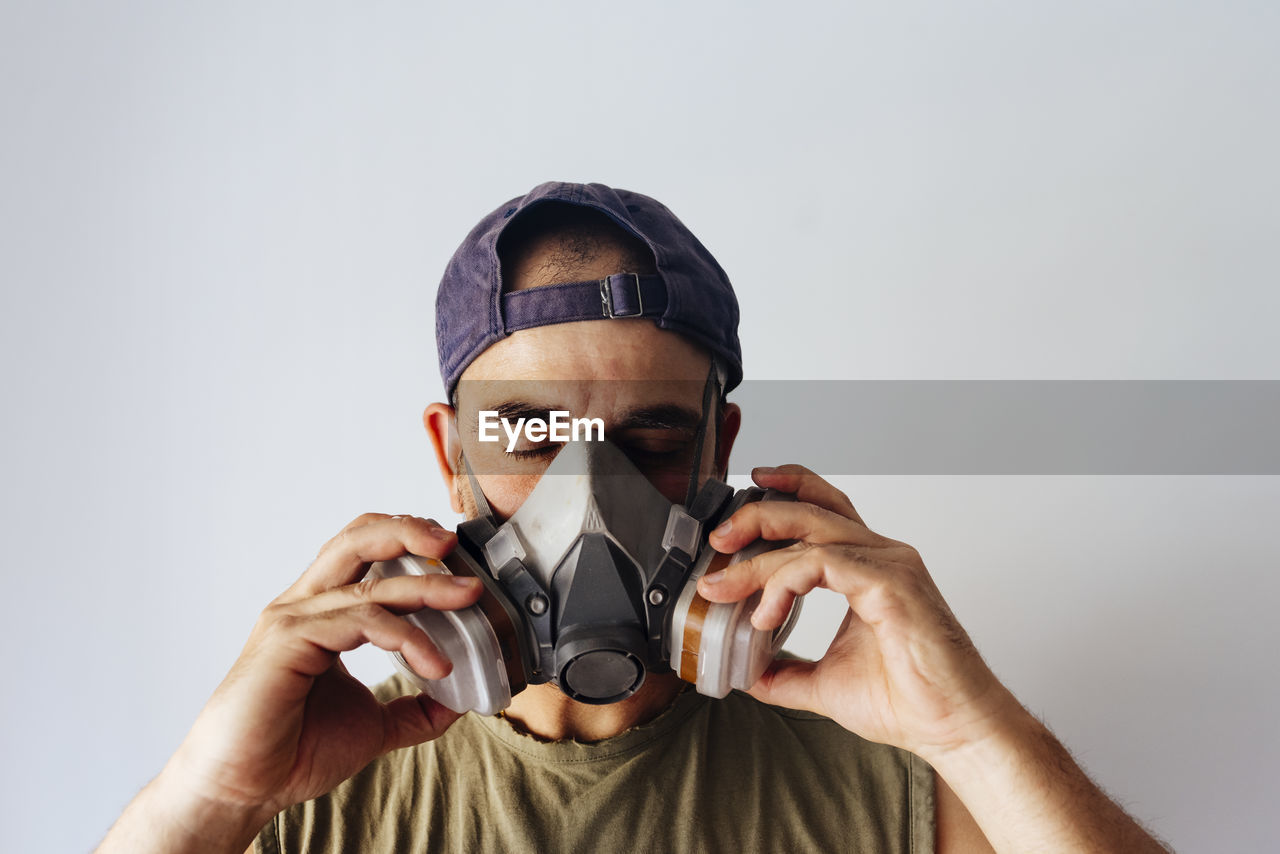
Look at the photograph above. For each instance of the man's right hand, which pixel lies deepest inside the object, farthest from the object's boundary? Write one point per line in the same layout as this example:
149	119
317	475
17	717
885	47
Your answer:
289	723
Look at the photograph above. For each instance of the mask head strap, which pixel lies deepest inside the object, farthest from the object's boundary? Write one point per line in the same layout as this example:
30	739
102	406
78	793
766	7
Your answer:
715	382
477	494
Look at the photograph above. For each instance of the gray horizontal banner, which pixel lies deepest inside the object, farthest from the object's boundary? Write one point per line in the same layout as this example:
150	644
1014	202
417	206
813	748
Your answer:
1095	427
965	427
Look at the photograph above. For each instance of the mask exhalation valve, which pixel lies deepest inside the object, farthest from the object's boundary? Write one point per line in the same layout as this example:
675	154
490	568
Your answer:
601	668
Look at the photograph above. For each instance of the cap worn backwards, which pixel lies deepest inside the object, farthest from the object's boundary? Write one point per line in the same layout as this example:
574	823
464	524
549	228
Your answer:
690	293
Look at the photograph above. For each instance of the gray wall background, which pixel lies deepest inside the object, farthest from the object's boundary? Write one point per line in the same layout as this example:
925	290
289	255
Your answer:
222	225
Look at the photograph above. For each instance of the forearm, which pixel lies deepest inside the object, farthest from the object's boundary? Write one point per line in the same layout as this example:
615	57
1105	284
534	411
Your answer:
1027	794
162	818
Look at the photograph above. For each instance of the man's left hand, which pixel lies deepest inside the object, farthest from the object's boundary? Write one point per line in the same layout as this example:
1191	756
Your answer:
900	670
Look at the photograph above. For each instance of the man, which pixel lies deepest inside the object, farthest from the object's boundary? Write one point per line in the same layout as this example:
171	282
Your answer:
898	739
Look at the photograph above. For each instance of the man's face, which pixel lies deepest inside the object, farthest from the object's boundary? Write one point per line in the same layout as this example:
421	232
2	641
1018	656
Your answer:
644	383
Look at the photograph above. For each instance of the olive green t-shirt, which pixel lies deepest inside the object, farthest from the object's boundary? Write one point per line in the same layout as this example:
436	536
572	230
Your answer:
728	775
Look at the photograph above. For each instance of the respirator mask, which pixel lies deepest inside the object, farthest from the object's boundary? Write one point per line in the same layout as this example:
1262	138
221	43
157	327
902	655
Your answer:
590	584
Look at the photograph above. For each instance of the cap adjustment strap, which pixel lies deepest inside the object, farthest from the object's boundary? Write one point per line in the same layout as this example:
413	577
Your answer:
611	306
621	295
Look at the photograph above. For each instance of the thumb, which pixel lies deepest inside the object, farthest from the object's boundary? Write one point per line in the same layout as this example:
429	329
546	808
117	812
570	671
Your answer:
787	682
407	721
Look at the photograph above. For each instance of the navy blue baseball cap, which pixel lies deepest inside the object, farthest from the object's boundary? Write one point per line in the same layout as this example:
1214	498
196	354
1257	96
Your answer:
690	293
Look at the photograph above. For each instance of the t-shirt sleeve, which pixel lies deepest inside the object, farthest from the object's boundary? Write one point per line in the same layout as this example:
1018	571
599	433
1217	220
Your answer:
922	795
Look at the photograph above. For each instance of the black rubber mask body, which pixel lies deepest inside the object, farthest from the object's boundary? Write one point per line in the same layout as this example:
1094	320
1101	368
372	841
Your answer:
590	561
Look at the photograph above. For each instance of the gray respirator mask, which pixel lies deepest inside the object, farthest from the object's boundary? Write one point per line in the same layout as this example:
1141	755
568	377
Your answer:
591	584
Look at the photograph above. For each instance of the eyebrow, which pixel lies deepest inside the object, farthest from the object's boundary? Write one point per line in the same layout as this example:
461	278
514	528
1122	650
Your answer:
667	416
663	416
514	410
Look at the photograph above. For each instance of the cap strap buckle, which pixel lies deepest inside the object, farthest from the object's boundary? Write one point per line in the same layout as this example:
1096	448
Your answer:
606	295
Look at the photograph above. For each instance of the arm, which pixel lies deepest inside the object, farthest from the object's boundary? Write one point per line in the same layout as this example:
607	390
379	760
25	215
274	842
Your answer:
902	671
1025	792
159	819
289	722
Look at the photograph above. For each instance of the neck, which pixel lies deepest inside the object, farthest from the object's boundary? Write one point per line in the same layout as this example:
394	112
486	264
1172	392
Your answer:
544	711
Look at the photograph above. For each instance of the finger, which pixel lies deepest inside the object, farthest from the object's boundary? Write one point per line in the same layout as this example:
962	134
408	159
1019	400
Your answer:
752	574
308	644
790	683
401	595
807	486
407	721
747	576
872	584
879	591
344	558
790	520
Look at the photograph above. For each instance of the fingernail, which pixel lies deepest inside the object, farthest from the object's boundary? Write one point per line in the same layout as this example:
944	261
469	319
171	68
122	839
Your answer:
715	577
463	580
763	470
437	531
724	528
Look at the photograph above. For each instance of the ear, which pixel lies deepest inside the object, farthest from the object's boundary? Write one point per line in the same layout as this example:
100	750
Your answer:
730	423
441	424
